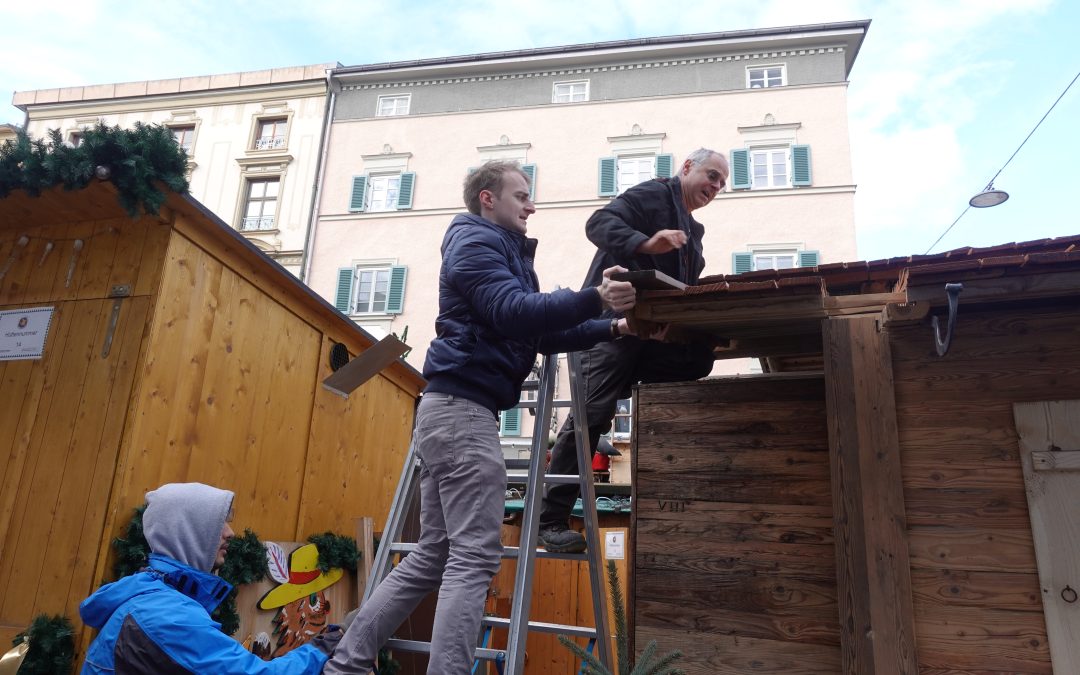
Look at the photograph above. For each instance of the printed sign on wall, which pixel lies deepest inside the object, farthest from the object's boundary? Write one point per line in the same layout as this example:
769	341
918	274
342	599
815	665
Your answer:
23	332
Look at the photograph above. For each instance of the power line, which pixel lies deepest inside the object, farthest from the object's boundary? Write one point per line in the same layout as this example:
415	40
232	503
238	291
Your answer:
991	183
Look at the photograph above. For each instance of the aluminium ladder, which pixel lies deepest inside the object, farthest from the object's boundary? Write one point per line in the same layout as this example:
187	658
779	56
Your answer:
530	472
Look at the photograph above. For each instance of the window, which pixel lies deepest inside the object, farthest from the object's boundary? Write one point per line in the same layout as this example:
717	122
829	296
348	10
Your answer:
261	204
772	167
618	174
510	422
369	288
75	138
570	92
766	76
271	133
185	136
620	428
773	257
769	168
390	106
382	192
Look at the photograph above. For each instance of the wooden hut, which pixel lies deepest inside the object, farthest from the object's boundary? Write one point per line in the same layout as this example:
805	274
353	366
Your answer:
869	504
176	351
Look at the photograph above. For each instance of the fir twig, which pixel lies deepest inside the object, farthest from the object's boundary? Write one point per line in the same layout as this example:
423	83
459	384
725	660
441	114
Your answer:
335	551
52	646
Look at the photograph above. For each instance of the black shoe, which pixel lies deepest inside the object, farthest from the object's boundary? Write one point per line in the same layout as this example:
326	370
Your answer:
561	539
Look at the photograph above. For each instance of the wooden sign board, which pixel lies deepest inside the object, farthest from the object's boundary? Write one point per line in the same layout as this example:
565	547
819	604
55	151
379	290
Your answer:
365	366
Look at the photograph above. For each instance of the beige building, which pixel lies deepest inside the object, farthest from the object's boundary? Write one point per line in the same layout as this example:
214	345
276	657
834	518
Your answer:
7	132
587	121
253	140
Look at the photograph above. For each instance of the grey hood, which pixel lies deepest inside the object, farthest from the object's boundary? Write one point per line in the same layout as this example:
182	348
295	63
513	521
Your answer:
184	521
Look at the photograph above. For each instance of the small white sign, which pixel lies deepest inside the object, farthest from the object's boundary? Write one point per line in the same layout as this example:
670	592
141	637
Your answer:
615	545
23	332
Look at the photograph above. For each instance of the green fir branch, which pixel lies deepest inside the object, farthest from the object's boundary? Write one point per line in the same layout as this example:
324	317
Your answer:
335	551
51	646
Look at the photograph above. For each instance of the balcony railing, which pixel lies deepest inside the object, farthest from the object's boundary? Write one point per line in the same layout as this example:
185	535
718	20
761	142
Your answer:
270	143
253	223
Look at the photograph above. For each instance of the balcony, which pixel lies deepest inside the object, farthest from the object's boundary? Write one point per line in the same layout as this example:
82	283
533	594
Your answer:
270	143
257	223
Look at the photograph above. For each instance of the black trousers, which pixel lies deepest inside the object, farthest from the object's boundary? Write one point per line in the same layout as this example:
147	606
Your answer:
609	371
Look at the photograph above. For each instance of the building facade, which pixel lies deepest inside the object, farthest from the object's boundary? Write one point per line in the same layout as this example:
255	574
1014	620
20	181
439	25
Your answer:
252	139
586	122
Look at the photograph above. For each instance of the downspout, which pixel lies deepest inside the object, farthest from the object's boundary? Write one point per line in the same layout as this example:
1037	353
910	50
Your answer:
316	189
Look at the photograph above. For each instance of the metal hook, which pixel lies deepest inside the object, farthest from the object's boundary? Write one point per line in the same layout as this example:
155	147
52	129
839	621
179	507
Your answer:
953	291
1067	593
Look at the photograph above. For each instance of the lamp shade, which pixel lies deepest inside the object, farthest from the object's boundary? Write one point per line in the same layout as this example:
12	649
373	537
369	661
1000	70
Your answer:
988	197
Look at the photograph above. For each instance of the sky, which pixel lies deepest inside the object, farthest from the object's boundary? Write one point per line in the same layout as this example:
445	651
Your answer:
941	94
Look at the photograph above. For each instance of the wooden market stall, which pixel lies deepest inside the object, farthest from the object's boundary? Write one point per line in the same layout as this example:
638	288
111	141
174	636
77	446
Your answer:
176	351
868	504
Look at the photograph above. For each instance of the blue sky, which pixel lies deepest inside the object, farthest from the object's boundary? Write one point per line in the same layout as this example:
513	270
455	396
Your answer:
941	94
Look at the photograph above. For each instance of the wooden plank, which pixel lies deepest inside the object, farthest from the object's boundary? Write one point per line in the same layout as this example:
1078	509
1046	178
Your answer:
996	287
873	574
738	654
984	546
365	366
965	588
97	257
1055	460
649	280
982	639
974	508
1053	498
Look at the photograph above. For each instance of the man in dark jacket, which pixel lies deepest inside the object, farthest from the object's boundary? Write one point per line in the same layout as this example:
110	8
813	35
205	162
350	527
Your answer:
157	621
492	323
647	227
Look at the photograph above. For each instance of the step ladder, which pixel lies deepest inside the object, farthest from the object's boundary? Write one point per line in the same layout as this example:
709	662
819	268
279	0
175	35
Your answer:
511	661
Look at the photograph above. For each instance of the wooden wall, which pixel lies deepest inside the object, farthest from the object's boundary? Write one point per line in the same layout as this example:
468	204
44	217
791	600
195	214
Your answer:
735	562
974	575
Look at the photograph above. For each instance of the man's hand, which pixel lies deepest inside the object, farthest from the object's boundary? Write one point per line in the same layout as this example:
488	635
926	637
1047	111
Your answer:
663	241
616	295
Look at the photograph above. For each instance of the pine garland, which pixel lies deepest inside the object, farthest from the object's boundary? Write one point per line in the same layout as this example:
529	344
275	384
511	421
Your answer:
132	551
52	646
135	160
335	550
245	563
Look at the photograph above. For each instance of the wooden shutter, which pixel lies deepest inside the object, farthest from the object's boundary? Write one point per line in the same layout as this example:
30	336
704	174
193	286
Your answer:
359	188
808	258
395	297
800	165
530	171
664	165
740	169
609	186
742	262
510	422
343	297
405	190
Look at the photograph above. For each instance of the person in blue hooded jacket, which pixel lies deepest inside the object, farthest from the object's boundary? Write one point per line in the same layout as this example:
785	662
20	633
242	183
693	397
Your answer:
157	621
492	322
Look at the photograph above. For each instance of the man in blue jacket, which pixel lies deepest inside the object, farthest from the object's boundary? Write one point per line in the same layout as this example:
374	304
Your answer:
648	227
492	323
157	621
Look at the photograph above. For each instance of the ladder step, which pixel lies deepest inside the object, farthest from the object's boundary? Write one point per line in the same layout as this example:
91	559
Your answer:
425	648
540	626
557	478
508	552
557	403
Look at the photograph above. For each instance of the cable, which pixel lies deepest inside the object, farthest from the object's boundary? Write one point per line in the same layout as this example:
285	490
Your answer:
991	183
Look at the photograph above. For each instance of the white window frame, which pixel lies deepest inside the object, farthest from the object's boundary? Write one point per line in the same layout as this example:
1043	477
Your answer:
394	109
628	416
262	222
388	197
767	82
774	251
623	185
274	142
770	175
570	93
189	133
358	275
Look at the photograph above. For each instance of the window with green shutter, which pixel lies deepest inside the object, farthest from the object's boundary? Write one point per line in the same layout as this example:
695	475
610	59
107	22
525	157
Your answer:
808	258
510	422
800	165
530	171
742	262
356	199
343	296
608	186
395	297
405	190
665	165
740	169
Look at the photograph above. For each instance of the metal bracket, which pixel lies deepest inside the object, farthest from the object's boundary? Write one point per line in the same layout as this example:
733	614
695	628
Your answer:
118	293
942	345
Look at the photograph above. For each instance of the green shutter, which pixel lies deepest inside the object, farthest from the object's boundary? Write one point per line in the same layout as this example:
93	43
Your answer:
510	422
800	165
740	169
808	258
530	171
742	262
664	165
359	187
609	186
405	190
396	296
343	296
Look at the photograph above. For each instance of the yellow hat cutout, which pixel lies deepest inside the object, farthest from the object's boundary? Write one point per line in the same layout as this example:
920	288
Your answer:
305	578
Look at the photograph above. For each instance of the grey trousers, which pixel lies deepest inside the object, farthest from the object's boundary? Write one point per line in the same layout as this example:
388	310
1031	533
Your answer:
462	499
